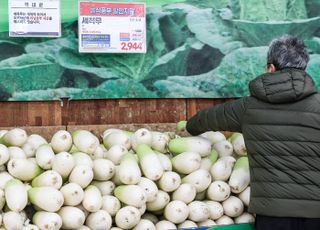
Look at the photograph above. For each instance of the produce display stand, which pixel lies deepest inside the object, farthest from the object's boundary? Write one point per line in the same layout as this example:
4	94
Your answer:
234	227
226	227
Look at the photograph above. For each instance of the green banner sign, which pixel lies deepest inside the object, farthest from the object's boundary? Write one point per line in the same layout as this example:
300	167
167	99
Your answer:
195	49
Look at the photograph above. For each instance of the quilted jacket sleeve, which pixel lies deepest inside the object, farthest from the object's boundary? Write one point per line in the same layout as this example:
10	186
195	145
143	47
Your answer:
223	117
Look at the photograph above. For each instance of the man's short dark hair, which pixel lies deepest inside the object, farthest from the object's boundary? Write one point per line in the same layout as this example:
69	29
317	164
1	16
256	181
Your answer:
288	52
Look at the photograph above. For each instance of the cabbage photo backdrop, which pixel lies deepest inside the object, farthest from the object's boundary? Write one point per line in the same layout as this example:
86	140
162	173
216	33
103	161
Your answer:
196	48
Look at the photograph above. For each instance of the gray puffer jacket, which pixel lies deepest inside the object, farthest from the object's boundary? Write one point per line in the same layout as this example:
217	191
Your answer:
280	123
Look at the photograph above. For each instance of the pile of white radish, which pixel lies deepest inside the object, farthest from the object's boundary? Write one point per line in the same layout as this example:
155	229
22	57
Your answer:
139	180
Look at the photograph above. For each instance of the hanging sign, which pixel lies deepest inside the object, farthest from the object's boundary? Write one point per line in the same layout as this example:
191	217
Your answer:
34	18
106	27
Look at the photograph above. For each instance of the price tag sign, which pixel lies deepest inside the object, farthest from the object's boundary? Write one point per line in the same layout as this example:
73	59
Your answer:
34	18
106	27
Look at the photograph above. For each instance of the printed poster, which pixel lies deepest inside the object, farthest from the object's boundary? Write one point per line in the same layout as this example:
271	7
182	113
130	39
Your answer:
34	18
106	27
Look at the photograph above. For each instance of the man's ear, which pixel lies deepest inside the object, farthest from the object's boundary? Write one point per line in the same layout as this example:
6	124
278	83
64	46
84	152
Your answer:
271	68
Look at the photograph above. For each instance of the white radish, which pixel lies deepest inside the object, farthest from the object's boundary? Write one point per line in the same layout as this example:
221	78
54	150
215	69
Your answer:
190	144
2	200
221	170
85	211
198	211
141	136
116	138
49	178
129	171
201	195
103	169
200	178
4	178
238	144
131	195
30	227
111	204
127	217
72	217
149	187
160	202
100	152
116	177
85	141
45	156
12	221
81	158
15	137
165	161
149	162
100	220
81	175
165	225
47	198
15	152
92	200
208	161
185	193
33	142
240	176
213	137
23	169
169	181
145	225
207	223
3	168
216	209
187	224
2	133
148	216
218	191
233	206
224	220
47	220
176	212
142	209
224	148
105	187
74	149
245	196
159	142
16	195
115	153
186	162
114	130
63	163
61	141
244	218
4	154
72	193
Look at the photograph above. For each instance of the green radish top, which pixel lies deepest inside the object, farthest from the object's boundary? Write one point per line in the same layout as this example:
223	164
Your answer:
181	126
213	156
178	145
12	182
143	150
242	163
74	149
234	136
129	157
128	133
118	190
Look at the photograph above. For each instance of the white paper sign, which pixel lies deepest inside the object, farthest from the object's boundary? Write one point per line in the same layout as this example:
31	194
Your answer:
34	18
106	27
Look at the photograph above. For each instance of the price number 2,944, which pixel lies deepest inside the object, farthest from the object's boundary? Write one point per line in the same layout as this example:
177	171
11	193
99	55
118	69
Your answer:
131	46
